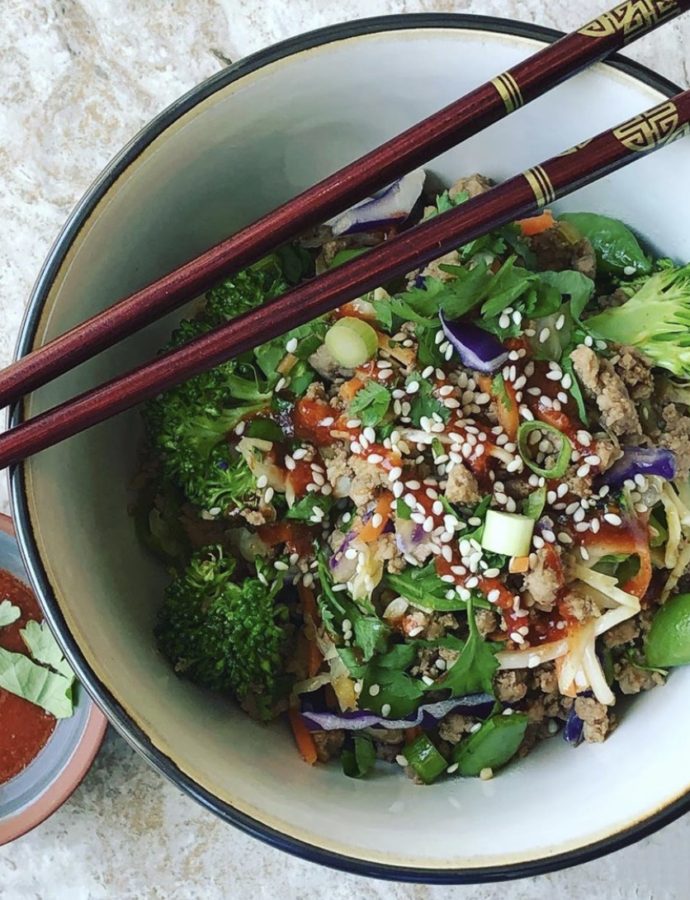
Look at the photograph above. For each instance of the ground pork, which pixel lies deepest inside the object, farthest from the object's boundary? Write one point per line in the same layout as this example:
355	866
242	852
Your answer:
581	607
622	633
595	716
676	437
542	582
511	685
327	365
366	479
316	391
636	371
487	621
328	743
578	485
544	679
608	452
631	679
434	269
554	252
472	185
388	742
387	550
617	410
338	470
454	726
439	624
462	486
609	301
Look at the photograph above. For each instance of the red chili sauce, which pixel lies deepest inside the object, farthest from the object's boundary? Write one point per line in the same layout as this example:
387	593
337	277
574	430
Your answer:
24	728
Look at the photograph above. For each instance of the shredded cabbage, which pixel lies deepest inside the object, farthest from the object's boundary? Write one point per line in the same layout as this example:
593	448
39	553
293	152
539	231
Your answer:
673	525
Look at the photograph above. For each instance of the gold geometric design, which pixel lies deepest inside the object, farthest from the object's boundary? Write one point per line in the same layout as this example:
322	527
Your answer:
577	147
651	129
509	90
631	18
540	183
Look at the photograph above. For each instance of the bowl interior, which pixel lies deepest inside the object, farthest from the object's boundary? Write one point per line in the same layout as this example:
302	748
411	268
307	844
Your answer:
242	150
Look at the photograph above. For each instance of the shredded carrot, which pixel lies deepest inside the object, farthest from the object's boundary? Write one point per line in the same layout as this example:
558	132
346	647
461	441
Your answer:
314	657
303	738
536	224
507	412
518	564
371	532
348	389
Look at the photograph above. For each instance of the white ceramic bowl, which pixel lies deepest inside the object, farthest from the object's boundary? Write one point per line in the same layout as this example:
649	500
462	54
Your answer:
234	147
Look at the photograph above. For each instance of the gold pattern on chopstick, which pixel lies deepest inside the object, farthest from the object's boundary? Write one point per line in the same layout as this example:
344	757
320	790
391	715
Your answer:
509	90
651	129
540	183
631	18
577	147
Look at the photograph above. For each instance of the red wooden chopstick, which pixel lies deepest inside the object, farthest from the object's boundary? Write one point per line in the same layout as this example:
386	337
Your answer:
520	196
420	143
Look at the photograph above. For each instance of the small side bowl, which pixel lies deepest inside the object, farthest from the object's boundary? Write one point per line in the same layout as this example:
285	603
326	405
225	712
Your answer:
43	786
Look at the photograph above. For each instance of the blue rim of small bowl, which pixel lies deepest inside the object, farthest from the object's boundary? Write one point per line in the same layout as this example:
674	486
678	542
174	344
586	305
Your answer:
100	693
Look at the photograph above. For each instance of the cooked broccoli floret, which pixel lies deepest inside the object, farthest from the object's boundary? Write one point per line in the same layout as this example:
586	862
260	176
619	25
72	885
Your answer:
223	635
655	319
244	291
187	424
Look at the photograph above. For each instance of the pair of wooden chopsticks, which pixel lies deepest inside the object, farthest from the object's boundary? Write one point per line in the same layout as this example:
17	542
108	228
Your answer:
518	197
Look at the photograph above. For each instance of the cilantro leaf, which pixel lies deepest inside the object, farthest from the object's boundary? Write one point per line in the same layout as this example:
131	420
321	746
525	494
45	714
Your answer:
423	403
393	688
303	510
371	635
9	613
370	404
474	669
422	587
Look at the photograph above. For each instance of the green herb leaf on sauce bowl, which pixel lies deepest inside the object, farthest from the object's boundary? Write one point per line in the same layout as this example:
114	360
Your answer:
9	613
26	679
44	648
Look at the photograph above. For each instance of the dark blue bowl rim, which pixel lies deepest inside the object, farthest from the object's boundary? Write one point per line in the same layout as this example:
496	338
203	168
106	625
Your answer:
100	693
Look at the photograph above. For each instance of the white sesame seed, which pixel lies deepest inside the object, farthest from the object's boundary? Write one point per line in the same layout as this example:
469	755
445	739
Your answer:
544	335
401	760
412	387
261	482
239	428
291	345
374	458
374	689
280	565
268	495
492	573
376	520
351	553
583	553
613	519
386	709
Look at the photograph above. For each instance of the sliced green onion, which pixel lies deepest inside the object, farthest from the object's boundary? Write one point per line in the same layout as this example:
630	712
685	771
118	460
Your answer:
425	759
492	745
534	503
507	533
351	341
561	464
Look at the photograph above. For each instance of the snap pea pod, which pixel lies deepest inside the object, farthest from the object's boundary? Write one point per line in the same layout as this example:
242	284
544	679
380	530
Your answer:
425	759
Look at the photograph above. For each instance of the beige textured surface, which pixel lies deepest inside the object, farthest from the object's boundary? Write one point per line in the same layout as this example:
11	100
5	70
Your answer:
77	79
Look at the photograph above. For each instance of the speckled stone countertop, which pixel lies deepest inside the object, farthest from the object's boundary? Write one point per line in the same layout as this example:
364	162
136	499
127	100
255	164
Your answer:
77	79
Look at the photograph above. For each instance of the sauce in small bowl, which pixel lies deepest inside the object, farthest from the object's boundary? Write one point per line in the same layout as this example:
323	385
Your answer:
24	727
